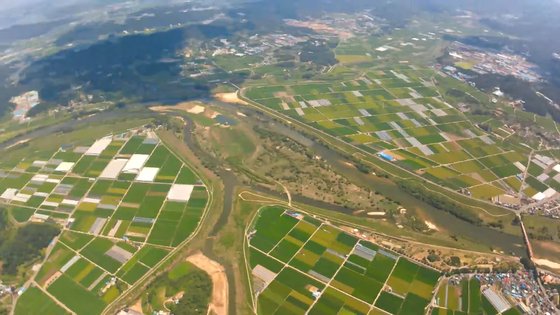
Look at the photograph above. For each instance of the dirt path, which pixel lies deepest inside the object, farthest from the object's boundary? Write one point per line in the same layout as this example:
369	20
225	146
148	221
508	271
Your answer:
220	293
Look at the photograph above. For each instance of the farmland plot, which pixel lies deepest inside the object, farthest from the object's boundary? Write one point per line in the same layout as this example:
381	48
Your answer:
300	264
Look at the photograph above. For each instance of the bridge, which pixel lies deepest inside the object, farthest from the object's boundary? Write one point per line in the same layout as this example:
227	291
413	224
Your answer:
526	238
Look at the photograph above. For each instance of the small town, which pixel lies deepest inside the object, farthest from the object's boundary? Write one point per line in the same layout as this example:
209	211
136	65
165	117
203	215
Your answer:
486	61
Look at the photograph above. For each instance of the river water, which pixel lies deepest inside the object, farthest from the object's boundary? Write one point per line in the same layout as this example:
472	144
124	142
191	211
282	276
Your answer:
478	234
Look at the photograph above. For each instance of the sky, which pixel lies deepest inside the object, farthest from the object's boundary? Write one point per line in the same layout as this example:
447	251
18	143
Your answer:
10	4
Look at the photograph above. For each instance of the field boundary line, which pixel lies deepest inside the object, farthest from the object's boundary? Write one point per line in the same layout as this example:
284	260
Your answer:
179	247
327	284
52	297
386	280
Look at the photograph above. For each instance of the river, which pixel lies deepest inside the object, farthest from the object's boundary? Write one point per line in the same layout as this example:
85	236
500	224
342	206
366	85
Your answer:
479	234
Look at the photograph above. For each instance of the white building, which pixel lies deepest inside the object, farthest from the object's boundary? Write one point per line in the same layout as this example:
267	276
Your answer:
113	169
180	192
147	174
135	164
99	146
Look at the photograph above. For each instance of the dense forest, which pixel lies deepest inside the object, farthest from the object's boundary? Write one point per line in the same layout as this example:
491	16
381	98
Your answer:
198	288
318	52
147	68
158	17
139	68
518	89
19	245
184	279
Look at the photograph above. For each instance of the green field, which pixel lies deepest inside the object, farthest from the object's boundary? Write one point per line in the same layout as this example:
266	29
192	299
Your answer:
115	224
34	301
75	297
312	260
464	297
392	109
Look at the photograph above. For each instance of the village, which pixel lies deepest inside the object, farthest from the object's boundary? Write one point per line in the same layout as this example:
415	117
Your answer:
486	61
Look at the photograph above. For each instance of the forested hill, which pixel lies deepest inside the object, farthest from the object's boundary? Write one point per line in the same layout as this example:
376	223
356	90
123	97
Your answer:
20	245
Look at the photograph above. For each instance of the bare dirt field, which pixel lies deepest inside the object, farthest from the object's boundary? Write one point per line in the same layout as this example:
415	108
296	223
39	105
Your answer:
321	28
547	263
137	307
189	107
229	98
220	292
547	254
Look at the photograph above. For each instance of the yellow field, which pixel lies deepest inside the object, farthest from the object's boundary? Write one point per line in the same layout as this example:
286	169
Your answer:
465	65
486	191
349	59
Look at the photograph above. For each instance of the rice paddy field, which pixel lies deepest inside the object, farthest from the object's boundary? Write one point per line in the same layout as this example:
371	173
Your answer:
399	115
125	202
302	265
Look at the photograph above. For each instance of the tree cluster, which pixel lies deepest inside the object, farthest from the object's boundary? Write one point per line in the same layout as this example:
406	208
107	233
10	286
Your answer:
198	289
19	245
417	190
